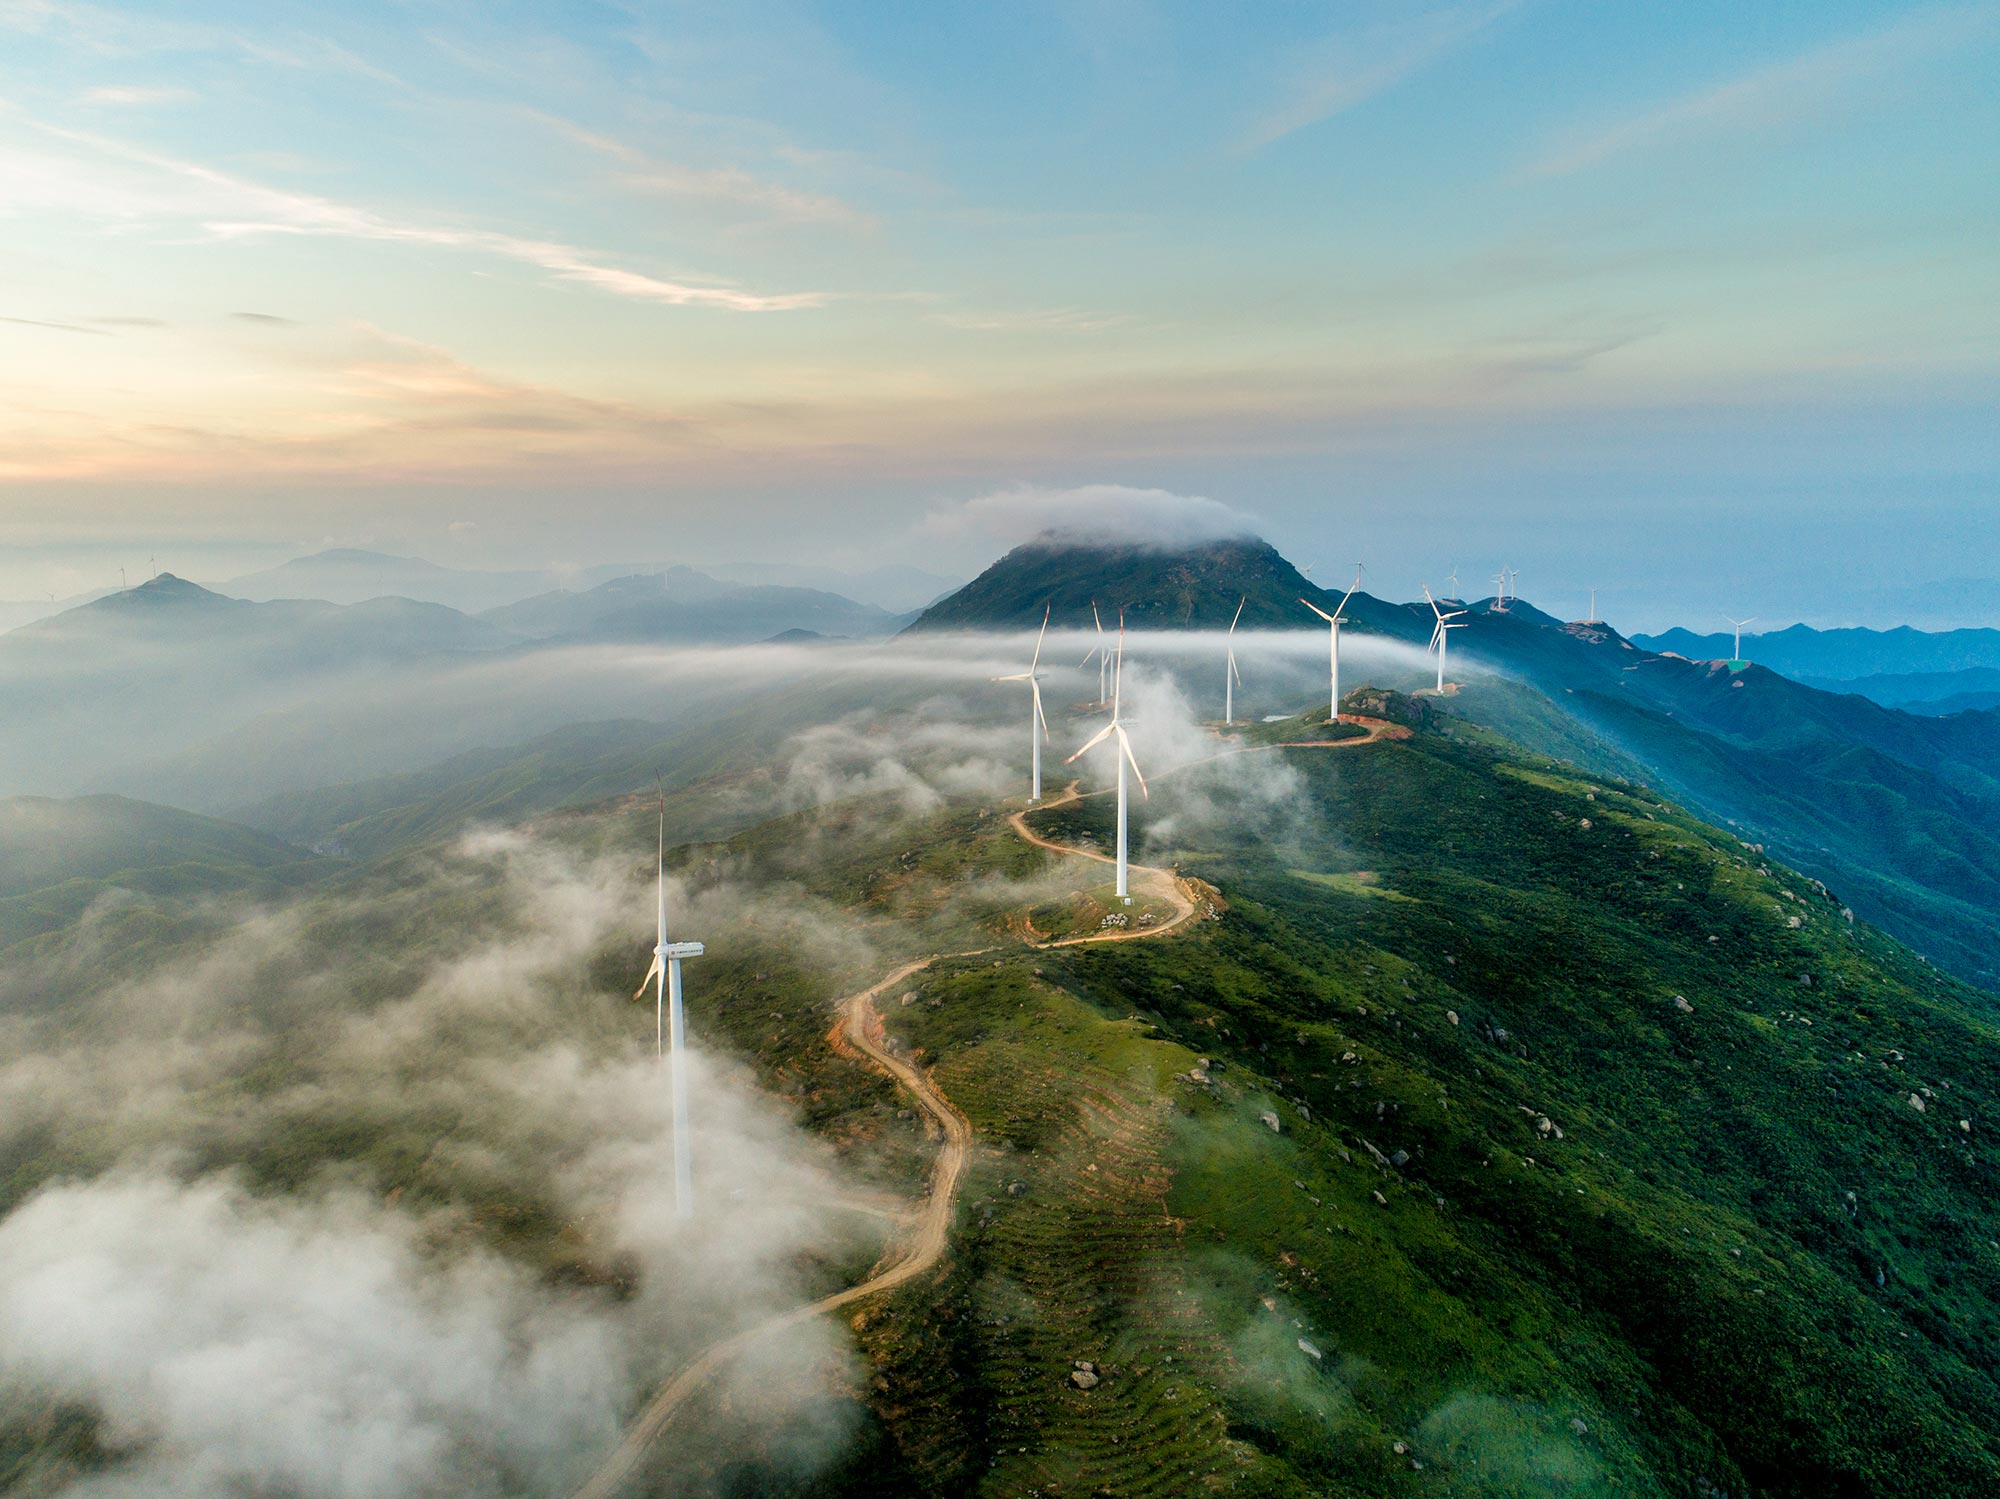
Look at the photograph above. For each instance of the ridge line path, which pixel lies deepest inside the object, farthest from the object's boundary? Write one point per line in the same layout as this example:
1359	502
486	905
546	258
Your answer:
858	1030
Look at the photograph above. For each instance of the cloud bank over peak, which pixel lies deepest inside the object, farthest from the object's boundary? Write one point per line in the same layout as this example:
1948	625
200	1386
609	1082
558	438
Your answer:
1111	514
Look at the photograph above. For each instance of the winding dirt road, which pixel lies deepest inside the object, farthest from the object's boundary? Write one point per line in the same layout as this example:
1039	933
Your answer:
857	1031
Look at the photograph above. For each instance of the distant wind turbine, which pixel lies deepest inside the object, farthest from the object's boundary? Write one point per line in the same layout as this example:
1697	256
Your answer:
1440	635
1593	620
1230	675
1038	726
1453	580
670	1028
1333	623
1102	657
1739	623
1116	728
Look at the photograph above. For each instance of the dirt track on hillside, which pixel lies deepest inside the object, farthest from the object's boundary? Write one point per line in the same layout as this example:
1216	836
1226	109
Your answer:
856	1033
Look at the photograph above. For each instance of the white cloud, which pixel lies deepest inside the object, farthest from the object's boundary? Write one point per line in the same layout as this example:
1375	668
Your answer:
231	207
1144	517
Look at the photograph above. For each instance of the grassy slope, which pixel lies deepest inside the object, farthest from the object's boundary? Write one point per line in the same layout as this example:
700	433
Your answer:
1675	1292
1681	1271
143	865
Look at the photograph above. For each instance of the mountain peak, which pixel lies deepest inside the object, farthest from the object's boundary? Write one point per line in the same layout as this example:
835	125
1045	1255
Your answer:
1191	586
163	591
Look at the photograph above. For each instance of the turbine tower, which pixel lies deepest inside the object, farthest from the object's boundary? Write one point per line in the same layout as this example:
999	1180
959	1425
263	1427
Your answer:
1230	675
1038	726
670	1028
1333	623
1116	728
1440	634
1737	649
1098	651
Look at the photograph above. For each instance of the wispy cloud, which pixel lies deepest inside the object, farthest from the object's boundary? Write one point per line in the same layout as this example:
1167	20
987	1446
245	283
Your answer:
231	207
1810	85
1349	69
29	322
126	96
727	186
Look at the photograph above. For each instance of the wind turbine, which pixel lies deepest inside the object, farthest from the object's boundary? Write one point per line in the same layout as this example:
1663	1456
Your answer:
1499	589
670	1028
1440	634
1117	728
1230	675
1103	659
1333	623
1740	623
1035	719
1453	580
1594	620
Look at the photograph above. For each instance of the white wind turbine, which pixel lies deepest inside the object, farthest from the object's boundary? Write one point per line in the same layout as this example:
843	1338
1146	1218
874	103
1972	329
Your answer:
1737	649
1038	726
670	1028
1333	623
1103	657
1116	729
1440	634
1230	675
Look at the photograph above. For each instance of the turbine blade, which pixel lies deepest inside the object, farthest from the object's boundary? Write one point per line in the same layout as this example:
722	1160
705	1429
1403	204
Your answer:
1036	688
1239	612
640	992
1125	748
1317	610
1092	743
1038	640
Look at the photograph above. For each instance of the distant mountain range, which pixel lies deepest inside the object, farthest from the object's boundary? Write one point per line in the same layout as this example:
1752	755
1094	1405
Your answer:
684	605
349	575
1842	655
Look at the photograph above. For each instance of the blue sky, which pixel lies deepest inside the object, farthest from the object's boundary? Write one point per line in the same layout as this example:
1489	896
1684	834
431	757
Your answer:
1694	301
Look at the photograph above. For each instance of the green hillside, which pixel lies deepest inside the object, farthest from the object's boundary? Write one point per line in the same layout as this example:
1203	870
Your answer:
1497	1128
60	857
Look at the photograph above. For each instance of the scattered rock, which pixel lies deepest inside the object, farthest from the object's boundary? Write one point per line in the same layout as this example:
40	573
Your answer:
1402	1449
1576	1425
1917	1102
1681	1004
1277	1127
1309	1351
1452	1016
1083	1379
1381	1199
1400	1158
1966	1125
1017	1189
